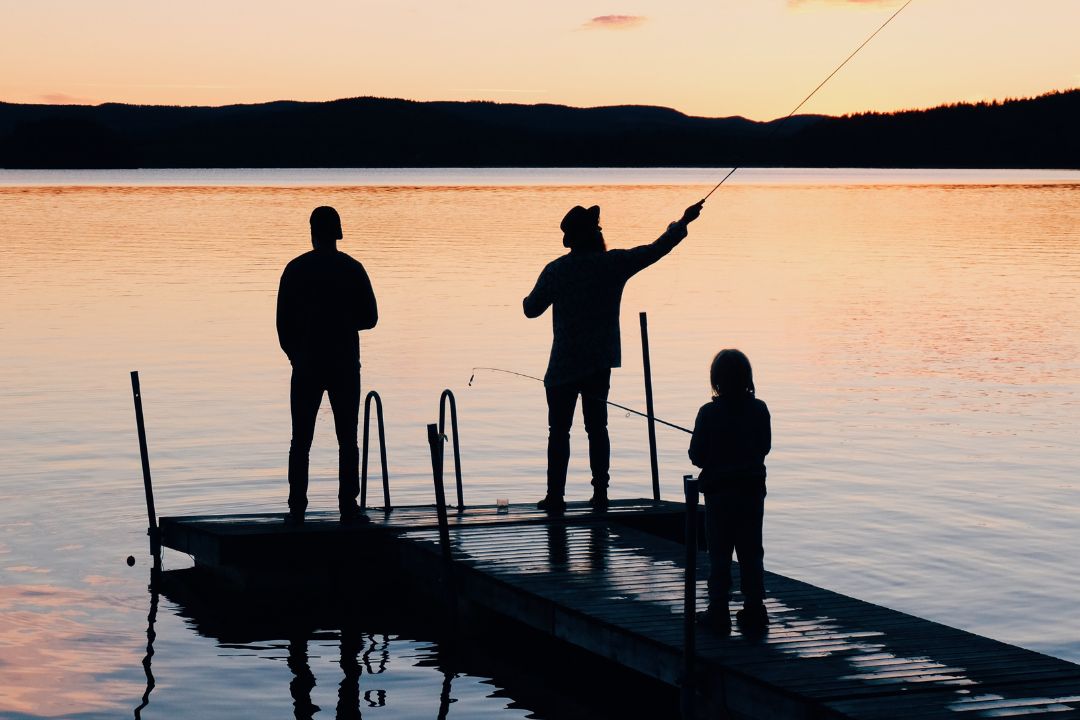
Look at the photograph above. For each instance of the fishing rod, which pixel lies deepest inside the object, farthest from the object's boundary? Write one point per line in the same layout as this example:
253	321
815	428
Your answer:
806	99
731	172
609	402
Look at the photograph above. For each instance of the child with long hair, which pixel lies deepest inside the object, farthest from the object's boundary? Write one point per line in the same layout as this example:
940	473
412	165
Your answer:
732	436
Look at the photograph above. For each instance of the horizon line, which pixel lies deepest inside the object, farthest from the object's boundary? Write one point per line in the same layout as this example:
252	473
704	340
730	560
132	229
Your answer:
958	103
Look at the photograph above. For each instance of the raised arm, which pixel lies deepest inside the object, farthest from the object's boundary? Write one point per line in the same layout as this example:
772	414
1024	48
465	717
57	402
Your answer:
641	257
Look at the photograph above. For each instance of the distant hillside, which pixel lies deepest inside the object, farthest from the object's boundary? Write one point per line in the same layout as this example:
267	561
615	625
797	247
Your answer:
376	132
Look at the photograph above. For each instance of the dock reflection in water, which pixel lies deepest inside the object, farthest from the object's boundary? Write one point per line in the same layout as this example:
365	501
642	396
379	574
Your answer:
375	667
388	654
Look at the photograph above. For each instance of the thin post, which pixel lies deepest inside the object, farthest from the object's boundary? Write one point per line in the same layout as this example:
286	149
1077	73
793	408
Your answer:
435	442
447	395
148	486
382	458
363	455
690	487
649	404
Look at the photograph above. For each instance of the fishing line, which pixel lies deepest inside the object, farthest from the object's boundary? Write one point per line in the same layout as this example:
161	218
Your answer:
806	99
731	172
609	402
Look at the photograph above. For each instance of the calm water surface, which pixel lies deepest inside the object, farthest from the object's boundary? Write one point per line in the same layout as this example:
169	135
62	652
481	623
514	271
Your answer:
915	334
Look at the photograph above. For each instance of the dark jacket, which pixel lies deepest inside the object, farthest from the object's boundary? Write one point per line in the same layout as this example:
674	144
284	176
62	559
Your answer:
585	290
731	438
324	298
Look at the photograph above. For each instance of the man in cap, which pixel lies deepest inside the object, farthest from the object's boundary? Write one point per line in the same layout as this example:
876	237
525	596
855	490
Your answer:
584	288
324	298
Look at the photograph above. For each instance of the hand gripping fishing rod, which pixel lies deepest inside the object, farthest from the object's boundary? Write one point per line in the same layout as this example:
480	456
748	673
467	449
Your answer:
813	92
613	404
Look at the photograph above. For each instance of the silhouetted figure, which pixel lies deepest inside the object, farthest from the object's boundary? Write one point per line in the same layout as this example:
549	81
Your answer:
584	288
348	706
732	436
324	298
303	681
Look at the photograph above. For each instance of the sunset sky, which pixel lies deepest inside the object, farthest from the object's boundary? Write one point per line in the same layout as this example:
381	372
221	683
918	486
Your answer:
755	58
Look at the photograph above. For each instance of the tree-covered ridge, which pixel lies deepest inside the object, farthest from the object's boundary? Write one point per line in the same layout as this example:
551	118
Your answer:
380	132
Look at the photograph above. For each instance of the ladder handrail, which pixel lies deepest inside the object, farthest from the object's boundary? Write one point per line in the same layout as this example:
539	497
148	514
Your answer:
382	451
448	395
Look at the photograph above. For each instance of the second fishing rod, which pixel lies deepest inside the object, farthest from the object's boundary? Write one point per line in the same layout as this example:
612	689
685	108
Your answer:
648	415
647	367
609	402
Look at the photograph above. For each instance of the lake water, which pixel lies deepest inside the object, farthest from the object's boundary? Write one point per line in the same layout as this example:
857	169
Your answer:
916	335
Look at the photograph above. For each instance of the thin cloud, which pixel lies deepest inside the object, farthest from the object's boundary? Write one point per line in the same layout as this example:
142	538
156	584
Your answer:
508	91
62	99
614	22
855	3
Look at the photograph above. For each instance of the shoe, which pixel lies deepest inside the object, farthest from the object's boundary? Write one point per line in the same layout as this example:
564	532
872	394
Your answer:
353	515
753	617
293	519
716	620
599	499
552	505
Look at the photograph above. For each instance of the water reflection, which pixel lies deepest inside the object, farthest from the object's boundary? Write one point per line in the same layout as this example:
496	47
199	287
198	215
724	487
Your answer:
362	650
303	680
151	618
356	650
248	620
918	333
346	642
49	631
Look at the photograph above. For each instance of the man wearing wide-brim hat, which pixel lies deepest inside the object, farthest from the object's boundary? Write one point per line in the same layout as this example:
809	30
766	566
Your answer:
584	288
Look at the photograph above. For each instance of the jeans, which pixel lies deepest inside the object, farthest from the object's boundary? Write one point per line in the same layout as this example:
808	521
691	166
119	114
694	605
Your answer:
733	520
561	400
305	396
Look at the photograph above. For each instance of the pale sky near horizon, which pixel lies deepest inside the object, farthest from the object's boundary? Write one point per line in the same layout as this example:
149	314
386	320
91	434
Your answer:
755	58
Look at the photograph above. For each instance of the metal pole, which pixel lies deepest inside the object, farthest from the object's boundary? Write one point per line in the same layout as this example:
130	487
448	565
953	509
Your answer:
364	453
690	487
649	405
148	486
372	395
382	454
448	395
435	441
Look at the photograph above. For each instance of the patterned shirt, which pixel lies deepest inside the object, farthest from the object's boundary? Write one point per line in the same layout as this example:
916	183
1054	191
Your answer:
585	290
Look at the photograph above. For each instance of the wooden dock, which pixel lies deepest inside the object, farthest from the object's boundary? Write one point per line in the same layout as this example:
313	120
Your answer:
612	584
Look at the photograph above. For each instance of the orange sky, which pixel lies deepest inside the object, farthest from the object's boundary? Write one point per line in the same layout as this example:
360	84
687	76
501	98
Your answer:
755	58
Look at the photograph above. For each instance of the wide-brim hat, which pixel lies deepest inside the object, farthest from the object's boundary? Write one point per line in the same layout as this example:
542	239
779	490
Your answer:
579	219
